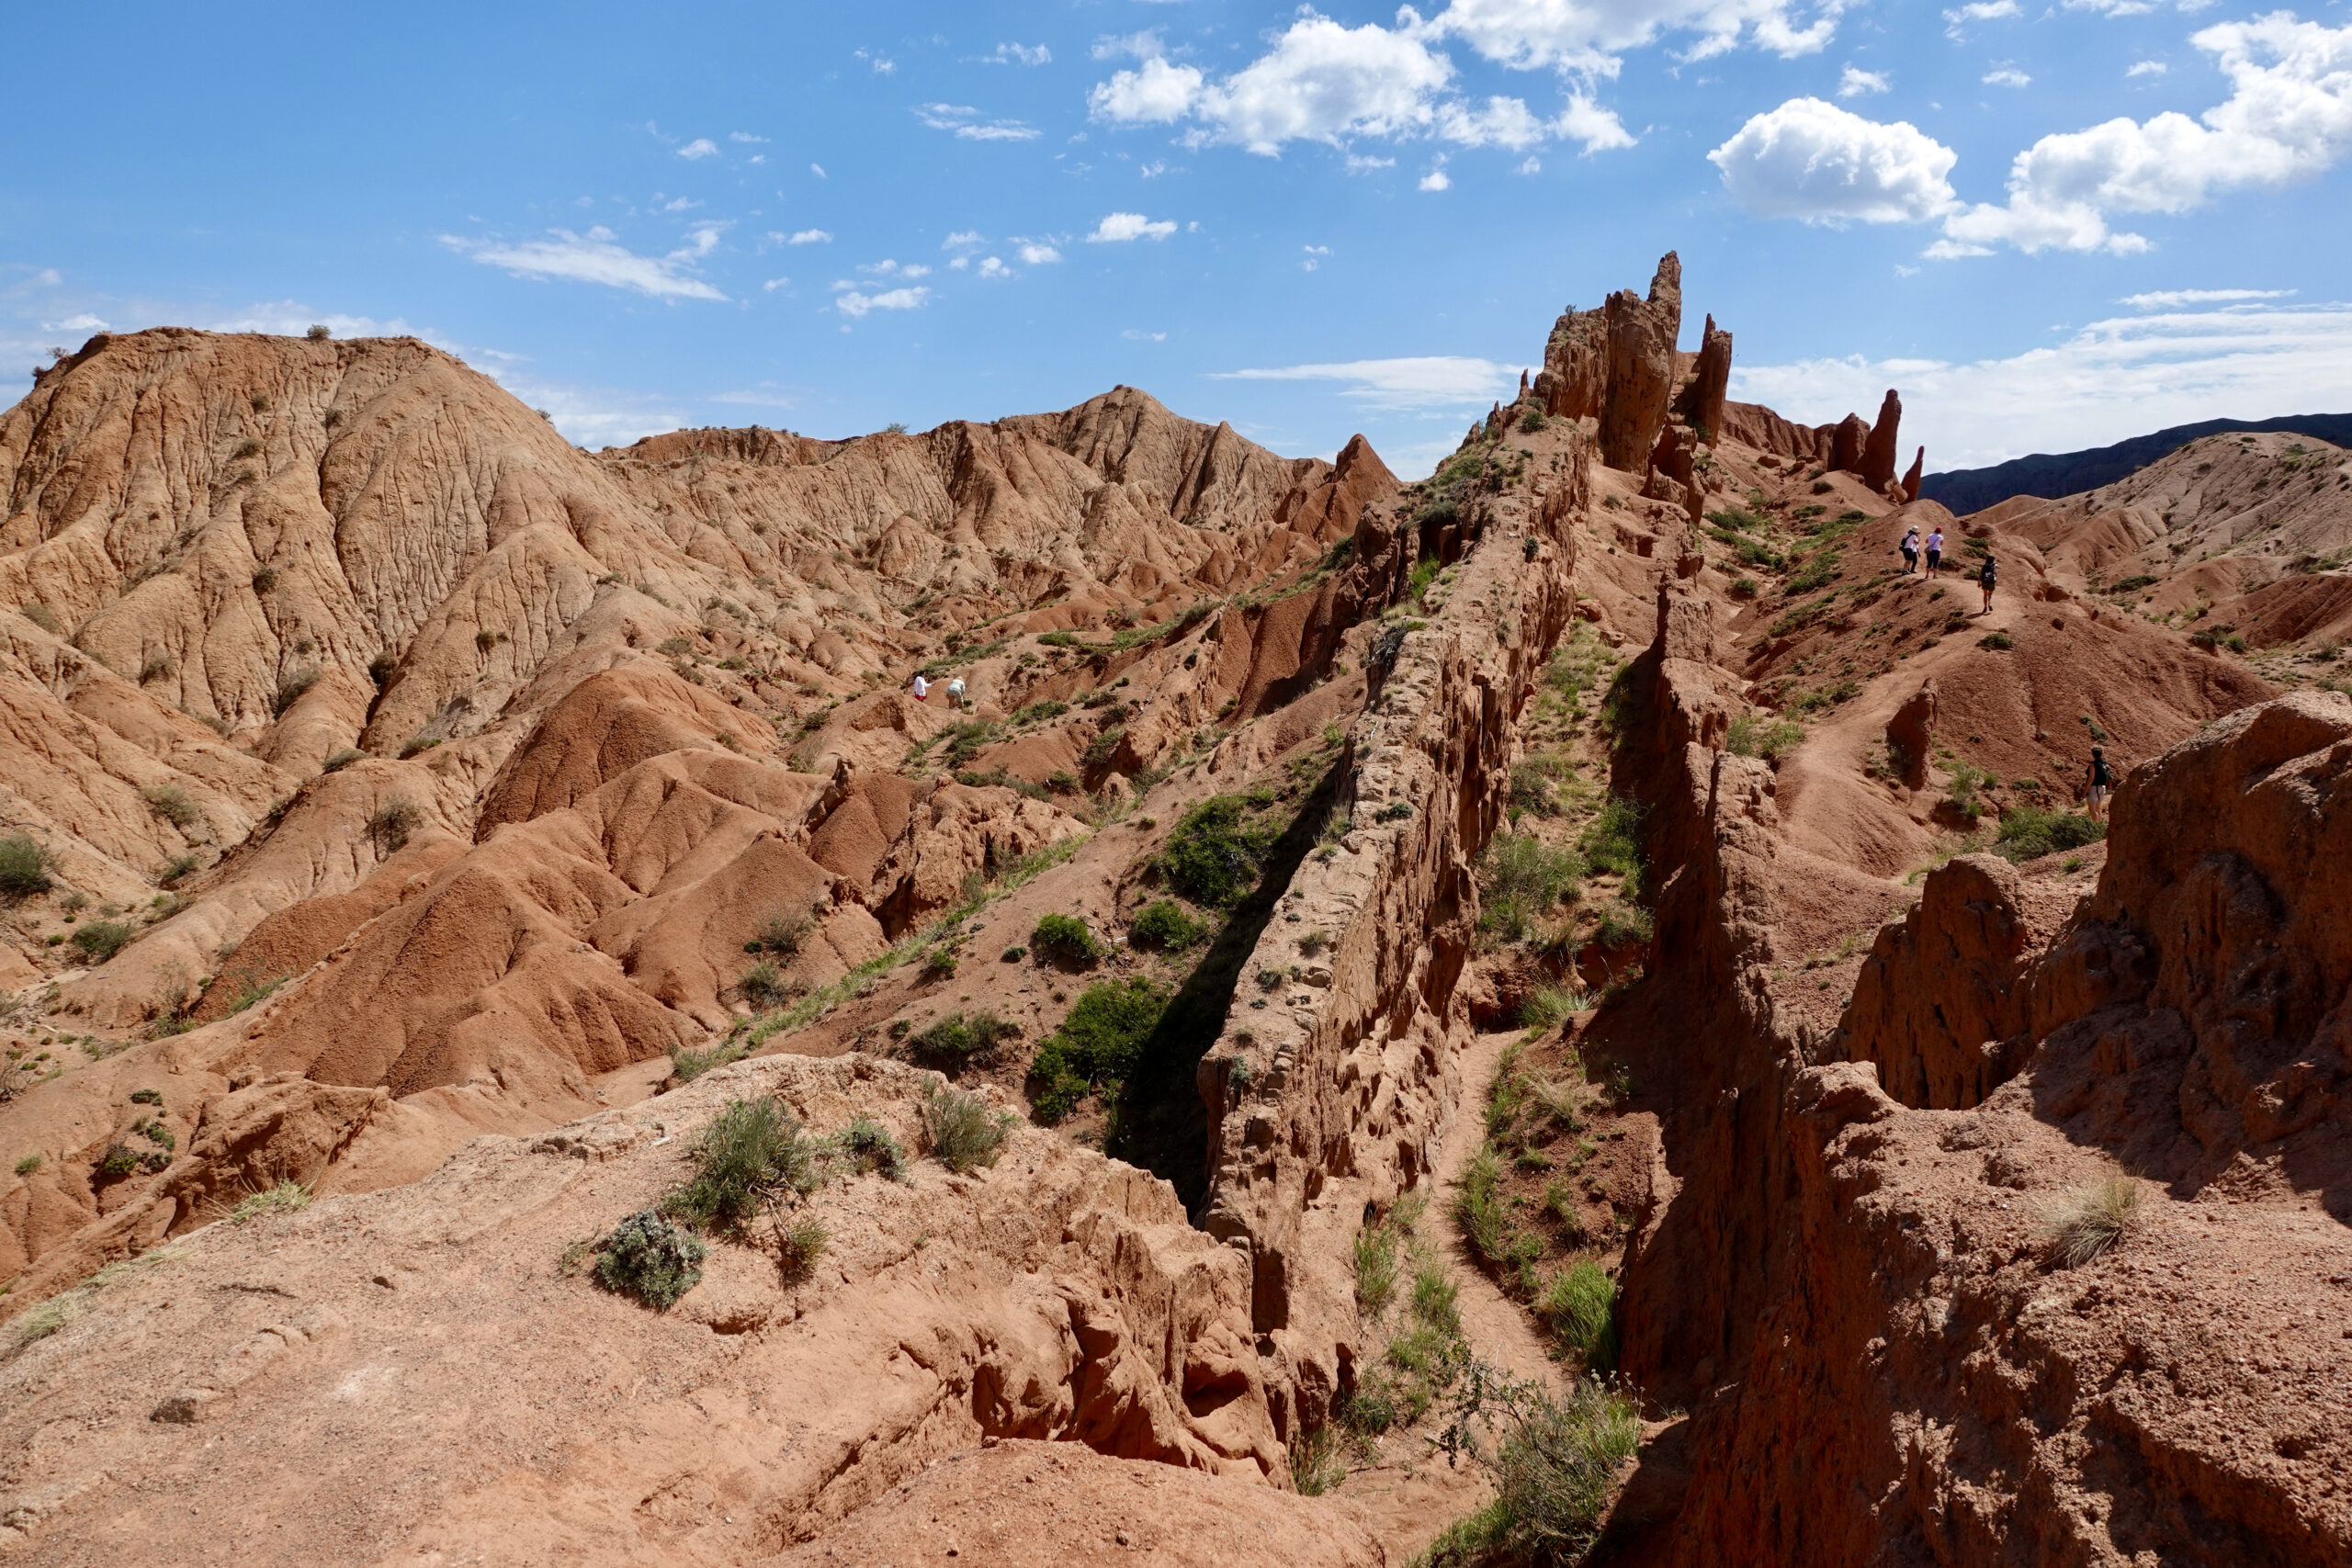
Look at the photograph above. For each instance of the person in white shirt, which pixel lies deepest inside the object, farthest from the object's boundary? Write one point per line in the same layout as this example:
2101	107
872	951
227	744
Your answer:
922	688
956	693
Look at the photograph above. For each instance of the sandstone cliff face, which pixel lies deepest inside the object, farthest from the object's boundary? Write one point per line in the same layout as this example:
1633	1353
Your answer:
1642	334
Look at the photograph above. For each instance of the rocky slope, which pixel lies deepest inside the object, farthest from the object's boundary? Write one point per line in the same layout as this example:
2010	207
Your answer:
470	822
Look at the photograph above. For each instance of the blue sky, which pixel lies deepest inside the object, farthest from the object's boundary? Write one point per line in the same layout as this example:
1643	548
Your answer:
2051	224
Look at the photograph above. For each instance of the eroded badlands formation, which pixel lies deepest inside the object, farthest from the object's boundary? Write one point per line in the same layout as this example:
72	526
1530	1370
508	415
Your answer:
1595	880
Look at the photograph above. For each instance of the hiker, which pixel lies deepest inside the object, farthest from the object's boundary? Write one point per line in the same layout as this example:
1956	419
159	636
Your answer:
1934	551
956	693
2102	784
1984	580
1910	548
922	688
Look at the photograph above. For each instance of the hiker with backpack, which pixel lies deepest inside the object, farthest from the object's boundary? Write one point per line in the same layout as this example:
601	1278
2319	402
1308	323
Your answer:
1910	549
1986	575
2102	784
1934	551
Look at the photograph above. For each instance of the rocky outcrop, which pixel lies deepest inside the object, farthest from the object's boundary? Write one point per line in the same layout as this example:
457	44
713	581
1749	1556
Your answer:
1849	439
1573	382
1753	425
1325	1107
1058	1296
1911	480
1700	403
1642	334
1882	450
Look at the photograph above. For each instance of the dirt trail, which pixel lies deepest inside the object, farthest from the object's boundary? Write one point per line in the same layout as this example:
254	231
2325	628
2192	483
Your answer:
1498	1328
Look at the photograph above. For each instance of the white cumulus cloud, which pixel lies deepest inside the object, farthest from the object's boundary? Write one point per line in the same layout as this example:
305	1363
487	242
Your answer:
1857	82
2147	68
993	267
1591	36
2289	117
810	237
1956	22
700	147
1117	228
856	302
1811	159
1037	254
1437	179
2007	77
597	257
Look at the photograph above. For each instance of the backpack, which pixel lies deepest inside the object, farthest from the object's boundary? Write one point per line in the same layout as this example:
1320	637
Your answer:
1985	575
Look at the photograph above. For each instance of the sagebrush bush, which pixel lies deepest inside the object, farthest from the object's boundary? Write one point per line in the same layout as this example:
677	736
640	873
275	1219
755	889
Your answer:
870	1149
1097	1044
688	1062
1522	878
1065	939
748	1155
1613	842
1756	735
1215	855
960	1037
1557	1469
24	867
649	1258
1164	924
963	1134
101	940
392	823
797	1246
763	984
285	1198
171	803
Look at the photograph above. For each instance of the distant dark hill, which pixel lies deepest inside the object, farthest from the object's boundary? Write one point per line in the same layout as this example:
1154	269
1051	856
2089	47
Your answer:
2071	473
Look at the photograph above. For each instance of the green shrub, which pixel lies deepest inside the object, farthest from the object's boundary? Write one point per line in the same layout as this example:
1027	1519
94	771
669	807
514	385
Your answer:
1613	842
751	1153
1557	1470
417	744
797	1248
1065	939
963	1133
1039	712
2028	832
24	867
651	1258
1216	855
28	1164
100	940
1096	1045
115	1162
342	758
2091	1220
1996	640
763	985
1103	747
1579	1305
1522	877
176	870
1622	923
688	1062
1754	735
1548	1006
1317	1462
962	1037
285	1198
1480	1210
1377	1249
1425	571
871	1150
1532	421
380	668
1164	924
171	803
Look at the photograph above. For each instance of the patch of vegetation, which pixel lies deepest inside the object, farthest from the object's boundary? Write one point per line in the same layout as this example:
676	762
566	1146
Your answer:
963	1134
100	940
342	758
1038	713
1426	1351
24	867
1967	778
2092	1220
1103	747
688	1062
1996	641
1803	615
1612	843
1555	1469
1096	1046
764	984
1547	1007
1579	1306
171	803
30	1164
749	1156
1622	924
2028	832
1065	939
1521	878
1163	924
651	1259
291	687
781	934
1810	701
1757	735
1532	421
1216	855
869	1149
961	1037
390	823
797	1248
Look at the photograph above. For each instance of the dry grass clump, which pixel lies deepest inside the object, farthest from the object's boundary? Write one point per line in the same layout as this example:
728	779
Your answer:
2091	1220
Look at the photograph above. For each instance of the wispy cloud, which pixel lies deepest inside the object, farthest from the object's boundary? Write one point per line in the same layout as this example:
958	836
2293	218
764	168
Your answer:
700	147
597	257
743	136
1436	381
2007	77
2111	379
885	268
2147	68
882	64
1117	228
810	237
2171	298
973	126
1957	21
1019	54
1136	335
1037	252
1857	82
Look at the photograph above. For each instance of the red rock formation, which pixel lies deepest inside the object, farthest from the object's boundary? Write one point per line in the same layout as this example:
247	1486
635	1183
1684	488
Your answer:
1753	425
1911	480
1642	334
1573	382
1849	439
1879	452
1701	402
